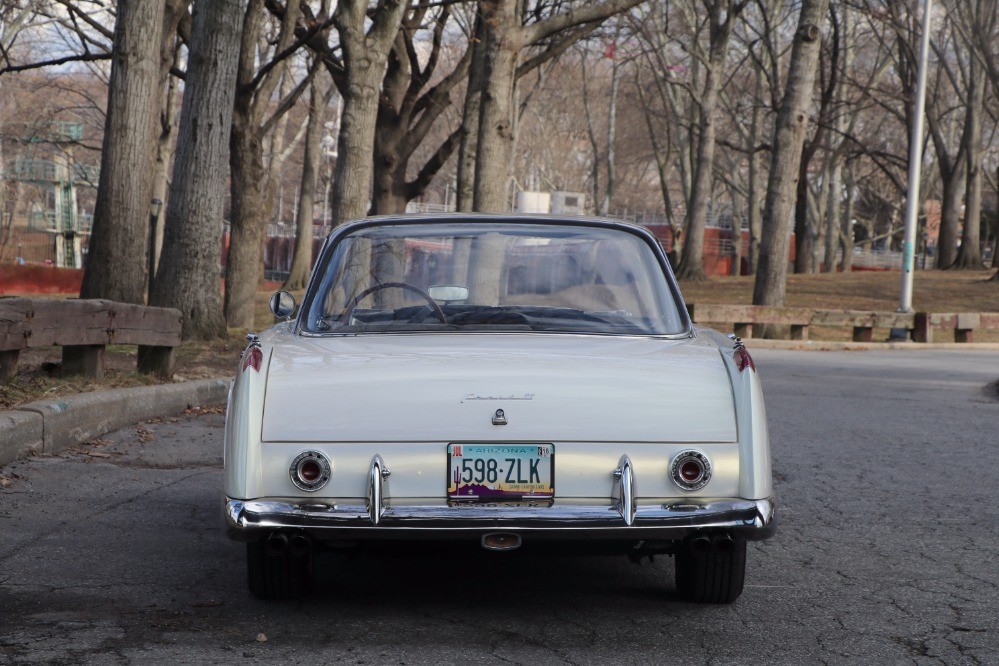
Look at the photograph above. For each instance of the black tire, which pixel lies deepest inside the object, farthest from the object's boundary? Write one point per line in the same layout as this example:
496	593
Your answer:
711	577
284	576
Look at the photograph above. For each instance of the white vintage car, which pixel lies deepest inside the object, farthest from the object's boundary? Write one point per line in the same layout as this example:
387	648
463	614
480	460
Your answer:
511	382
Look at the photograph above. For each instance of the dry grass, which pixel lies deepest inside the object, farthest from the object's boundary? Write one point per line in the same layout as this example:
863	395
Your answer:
945	291
933	291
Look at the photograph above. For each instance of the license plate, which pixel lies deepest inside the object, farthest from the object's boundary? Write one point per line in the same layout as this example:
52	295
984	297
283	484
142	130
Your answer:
500	472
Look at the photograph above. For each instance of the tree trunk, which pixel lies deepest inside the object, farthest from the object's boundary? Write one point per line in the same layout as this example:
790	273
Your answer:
249	206
833	212
969	256
802	237
846	230
950	213
174	14
591	135
753	202
188	277
365	57
789	136
301	263
165	147
250	211
257	130
116	265
736	268
355	147
496	135
692	260
605	201
465	191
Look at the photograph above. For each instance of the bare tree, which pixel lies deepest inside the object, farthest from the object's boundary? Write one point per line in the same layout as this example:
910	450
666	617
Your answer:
504	37
804	233
116	264
188	276
789	136
972	16
301	262
256	114
176	33
721	17
413	101
365	46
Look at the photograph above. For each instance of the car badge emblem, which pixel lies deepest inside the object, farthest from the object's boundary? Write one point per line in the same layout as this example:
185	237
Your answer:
499	418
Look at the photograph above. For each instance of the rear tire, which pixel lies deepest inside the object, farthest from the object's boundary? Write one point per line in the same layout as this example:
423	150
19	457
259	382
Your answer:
712	577
284	576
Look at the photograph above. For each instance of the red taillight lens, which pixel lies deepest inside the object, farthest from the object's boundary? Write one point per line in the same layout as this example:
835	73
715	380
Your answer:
310	471
252	358
743	360
691	471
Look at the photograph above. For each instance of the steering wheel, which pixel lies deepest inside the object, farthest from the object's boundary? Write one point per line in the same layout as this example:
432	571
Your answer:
401	285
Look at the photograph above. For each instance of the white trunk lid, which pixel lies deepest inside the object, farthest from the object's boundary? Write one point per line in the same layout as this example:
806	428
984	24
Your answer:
447	388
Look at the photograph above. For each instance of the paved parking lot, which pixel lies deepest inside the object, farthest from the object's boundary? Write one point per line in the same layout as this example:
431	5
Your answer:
888	551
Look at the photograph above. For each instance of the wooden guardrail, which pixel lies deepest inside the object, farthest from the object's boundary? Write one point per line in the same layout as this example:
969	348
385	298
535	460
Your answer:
923	325
743	317
83	328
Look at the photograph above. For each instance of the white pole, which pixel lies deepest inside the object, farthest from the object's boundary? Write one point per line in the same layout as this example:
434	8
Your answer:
915	164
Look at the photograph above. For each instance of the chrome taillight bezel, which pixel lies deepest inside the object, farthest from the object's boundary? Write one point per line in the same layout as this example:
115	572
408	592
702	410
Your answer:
295	471
694	456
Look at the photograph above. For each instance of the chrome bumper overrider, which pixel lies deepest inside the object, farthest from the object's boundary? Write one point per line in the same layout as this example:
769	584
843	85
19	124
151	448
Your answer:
748	519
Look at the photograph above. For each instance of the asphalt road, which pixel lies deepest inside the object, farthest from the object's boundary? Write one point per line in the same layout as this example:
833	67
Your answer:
887	473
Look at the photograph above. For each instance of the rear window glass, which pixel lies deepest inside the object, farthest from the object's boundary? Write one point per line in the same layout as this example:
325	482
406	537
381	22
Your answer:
492	277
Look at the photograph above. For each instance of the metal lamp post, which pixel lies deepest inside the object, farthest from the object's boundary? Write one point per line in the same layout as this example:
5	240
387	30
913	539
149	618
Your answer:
915	165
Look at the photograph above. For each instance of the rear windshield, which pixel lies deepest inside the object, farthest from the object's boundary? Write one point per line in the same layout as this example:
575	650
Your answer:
442	276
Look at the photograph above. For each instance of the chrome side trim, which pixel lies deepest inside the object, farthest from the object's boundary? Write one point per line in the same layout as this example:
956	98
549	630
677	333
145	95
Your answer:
624	489
248	520
376	489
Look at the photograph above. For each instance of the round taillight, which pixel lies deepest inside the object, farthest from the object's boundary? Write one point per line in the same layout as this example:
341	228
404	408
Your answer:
310	471
690	470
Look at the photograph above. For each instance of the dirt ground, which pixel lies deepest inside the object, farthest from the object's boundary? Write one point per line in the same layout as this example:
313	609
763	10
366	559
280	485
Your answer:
39	375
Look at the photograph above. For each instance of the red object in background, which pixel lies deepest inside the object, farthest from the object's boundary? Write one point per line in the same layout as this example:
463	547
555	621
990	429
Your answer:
611	50
28	280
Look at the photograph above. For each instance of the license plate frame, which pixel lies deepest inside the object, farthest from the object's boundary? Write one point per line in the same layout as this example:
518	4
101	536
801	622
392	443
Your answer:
516	478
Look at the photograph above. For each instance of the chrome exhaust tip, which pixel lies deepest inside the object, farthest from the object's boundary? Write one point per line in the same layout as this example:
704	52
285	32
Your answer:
700	545
276	544
299	545
501	541
724	544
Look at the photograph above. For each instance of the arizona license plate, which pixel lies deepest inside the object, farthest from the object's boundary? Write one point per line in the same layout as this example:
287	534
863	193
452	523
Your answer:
500	472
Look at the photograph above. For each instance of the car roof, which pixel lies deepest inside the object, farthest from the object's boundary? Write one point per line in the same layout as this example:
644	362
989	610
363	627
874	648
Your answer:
492	218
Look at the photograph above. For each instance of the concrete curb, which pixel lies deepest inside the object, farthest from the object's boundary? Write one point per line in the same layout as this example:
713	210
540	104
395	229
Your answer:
50	427
830	345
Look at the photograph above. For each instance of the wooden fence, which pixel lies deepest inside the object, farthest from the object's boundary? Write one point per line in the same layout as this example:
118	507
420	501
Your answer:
83	328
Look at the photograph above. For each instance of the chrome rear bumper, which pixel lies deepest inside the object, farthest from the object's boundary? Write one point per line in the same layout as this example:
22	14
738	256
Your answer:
747	519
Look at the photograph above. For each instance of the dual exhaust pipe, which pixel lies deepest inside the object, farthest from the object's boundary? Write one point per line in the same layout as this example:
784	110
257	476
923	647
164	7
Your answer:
298	544
722	544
